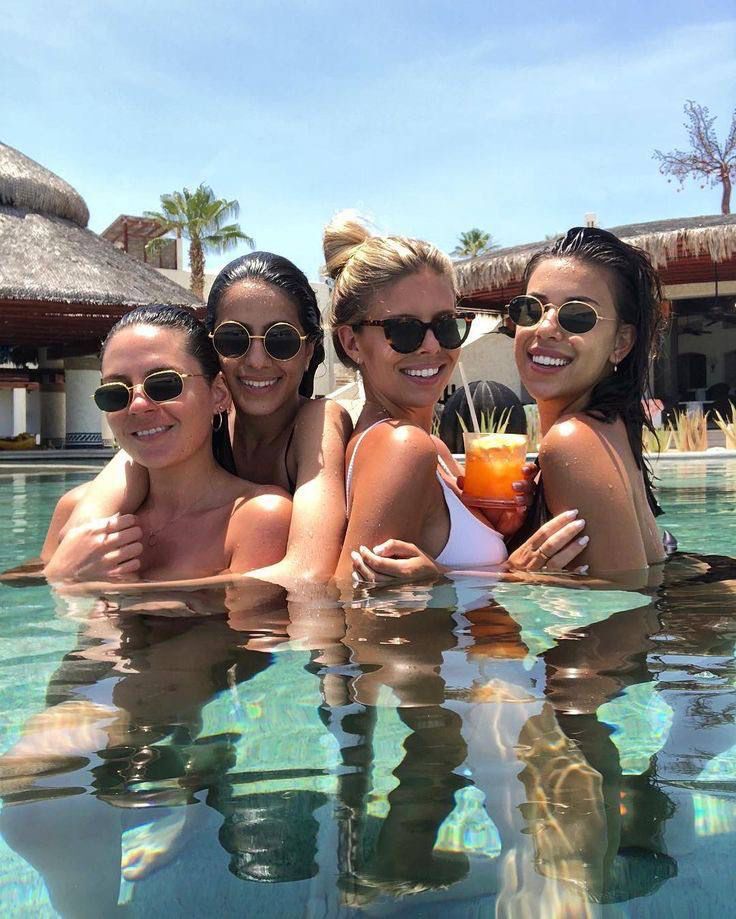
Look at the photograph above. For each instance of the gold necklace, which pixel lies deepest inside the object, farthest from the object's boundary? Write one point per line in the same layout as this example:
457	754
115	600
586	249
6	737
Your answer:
152	540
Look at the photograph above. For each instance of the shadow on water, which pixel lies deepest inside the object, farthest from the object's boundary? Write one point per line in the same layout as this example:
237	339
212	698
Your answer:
470	746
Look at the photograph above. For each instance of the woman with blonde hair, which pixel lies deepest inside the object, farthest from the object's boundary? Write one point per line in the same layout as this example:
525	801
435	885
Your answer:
395	319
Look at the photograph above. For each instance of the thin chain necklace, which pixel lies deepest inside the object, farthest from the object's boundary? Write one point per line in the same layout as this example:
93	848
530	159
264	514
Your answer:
152	538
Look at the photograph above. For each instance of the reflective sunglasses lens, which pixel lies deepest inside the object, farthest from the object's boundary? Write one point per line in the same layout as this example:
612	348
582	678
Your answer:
576	317
231	340
525	311
164	386
404	335
112	397
282	341
451	331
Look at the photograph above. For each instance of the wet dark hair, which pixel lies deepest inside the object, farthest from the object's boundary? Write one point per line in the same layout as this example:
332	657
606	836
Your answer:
284	275
638	301
198	344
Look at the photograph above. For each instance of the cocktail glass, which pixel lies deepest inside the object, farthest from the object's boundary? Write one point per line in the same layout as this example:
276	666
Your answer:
493	462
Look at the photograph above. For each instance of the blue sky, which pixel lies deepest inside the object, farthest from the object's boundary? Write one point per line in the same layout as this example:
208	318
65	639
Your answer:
429	116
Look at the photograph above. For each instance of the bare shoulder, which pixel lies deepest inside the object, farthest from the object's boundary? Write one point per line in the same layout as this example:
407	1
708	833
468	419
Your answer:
401	446
577	439
319	415
584	465
261	509
258	530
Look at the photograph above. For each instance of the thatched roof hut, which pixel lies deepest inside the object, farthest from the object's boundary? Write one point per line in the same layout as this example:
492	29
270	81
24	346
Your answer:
698	240
61	284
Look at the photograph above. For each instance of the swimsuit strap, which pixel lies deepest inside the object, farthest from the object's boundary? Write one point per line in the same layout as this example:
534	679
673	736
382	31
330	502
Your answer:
349	473
292	483
445	467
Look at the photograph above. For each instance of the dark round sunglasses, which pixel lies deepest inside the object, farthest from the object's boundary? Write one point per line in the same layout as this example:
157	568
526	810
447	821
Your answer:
161	386
574	316
405	333
282	341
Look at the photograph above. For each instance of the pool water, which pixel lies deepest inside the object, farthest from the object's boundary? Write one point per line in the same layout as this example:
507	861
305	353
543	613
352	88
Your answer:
469	749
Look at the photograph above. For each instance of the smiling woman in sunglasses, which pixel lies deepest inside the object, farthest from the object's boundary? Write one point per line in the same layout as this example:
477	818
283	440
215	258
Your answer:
161	389
394	317
586	329
265	326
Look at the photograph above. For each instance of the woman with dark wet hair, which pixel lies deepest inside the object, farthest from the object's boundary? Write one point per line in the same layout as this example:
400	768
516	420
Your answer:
264	323
161	388
586	328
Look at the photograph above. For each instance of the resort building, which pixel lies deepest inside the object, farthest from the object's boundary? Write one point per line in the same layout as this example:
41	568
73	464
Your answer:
696	259
62	287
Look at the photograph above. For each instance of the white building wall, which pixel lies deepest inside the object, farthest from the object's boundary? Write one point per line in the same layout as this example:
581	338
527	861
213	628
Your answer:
490	358
6	412
83	425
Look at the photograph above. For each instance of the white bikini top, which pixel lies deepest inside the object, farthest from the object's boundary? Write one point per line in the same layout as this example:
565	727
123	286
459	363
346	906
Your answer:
470	542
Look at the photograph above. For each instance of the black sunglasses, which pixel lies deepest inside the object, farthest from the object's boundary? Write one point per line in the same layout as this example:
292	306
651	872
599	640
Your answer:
574	316
282	340
405	333
161	386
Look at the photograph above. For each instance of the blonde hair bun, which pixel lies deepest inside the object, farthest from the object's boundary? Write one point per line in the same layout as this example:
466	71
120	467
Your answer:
342	237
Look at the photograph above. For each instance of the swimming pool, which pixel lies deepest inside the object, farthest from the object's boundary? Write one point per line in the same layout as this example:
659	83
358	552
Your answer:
458	750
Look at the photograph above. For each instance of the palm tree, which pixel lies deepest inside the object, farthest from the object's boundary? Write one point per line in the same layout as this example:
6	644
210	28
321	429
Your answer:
706	159
201	218
475	242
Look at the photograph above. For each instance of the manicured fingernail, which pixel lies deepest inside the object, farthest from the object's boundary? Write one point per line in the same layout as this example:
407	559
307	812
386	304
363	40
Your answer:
378	549
517	486
572	514
355	556
584	540
579	524
520	499
583	569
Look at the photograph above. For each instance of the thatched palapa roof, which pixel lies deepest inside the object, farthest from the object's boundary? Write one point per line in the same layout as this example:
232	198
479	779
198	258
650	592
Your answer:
714	236
55	271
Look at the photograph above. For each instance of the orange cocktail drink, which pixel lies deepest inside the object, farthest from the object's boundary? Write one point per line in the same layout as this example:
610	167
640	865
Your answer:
493	462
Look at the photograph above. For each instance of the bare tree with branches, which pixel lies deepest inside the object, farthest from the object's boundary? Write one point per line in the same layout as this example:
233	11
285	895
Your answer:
706	159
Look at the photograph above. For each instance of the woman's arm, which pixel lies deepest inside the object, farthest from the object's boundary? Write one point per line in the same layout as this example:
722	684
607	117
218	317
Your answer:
120	488
322	431
394	488
582	469
64	509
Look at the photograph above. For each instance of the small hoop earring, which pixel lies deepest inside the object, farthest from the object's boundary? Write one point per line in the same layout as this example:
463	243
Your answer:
220	420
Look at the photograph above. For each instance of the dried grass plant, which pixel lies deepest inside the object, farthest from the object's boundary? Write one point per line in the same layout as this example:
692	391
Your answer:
689	432
728	427
657	441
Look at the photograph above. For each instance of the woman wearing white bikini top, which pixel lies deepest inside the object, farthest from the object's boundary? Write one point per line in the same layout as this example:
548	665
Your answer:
394	317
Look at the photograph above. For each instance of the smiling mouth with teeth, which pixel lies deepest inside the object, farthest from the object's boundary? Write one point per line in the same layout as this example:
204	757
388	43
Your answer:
425	372
547	361
258	384
149	432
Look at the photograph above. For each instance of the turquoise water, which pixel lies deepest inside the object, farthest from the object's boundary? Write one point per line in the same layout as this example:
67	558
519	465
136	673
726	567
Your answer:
456	751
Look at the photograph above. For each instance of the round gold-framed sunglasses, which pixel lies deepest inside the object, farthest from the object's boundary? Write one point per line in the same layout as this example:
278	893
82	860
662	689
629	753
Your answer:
282	341
573	316
159	386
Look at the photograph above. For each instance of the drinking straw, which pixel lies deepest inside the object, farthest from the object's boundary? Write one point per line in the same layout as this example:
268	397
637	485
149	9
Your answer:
473	416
